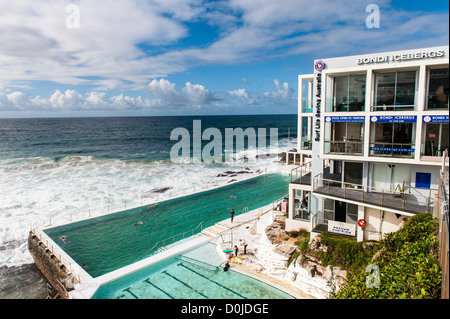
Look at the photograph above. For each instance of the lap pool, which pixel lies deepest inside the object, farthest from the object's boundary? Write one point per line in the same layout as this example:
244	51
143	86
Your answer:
195	274
107	243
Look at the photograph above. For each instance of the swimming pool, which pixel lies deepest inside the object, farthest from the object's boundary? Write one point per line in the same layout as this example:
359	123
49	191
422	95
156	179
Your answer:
110	242
195	274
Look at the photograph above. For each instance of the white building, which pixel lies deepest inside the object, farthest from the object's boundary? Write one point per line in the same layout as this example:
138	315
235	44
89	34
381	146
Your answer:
372	133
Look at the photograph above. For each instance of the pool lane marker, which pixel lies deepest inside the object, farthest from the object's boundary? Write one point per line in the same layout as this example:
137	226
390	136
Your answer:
181	264
182	282
129	291
152	284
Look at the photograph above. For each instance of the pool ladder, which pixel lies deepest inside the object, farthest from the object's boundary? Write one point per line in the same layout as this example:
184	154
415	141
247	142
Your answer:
163	242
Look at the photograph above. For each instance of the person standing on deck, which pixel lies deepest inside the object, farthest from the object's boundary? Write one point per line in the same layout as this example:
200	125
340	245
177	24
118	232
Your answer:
232	214
244	243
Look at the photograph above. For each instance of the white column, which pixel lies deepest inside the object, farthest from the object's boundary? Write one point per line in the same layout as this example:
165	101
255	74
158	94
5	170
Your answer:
368	104
421	96
291	202
359	230
299	118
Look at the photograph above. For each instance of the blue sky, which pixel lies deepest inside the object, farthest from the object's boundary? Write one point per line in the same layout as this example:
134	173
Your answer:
188	57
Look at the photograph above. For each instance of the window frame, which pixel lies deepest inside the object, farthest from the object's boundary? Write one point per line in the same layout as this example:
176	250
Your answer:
394	107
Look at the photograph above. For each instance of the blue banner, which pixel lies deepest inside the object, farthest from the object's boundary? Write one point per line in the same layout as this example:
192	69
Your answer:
435	119
389	149
394	119
347	119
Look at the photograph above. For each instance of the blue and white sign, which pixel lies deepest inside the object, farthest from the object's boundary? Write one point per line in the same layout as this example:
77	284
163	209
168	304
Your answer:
342	228
435	119
353	119
389	149
394	119
320	65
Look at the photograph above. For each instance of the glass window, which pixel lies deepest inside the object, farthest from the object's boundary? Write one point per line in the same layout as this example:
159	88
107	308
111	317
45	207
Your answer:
352	213
390	177
306	133
307	106
349	93
328	208
395	91
436	139
345	138
353	173
392	139
301	205
438	89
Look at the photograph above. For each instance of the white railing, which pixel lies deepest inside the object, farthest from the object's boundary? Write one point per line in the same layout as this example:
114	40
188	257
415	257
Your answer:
300	171
317	218
405	193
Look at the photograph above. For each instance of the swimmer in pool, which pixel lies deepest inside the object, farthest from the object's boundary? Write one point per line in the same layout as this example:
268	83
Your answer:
63	238
138	223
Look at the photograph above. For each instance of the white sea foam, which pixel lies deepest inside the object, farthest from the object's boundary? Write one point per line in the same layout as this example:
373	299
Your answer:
37	191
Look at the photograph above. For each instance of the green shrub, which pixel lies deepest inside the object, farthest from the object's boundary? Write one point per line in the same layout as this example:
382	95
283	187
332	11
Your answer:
345	253
407	266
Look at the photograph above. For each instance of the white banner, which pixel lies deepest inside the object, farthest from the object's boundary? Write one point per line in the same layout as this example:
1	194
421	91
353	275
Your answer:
341	228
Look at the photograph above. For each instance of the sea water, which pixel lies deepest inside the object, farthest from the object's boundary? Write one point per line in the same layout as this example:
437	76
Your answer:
61	169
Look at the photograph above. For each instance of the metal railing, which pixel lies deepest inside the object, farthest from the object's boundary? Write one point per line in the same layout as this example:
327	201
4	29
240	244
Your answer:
344	147
300	213
402	193
162	242
444	225
60	256
300	171
317	218
278	201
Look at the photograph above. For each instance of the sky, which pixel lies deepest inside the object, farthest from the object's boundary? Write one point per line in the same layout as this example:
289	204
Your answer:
63	58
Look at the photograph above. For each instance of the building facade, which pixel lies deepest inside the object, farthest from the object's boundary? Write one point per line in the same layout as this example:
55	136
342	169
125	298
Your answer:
373	130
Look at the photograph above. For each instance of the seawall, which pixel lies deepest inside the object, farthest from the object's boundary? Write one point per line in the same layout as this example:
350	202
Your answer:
49	265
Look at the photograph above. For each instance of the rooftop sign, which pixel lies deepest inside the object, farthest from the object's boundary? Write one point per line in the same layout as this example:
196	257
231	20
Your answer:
401	57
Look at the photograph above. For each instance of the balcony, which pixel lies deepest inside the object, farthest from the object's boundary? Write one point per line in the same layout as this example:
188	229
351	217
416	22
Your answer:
346	147
408	201
302	174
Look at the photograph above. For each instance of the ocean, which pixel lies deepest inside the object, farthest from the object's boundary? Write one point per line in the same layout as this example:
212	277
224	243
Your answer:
59	169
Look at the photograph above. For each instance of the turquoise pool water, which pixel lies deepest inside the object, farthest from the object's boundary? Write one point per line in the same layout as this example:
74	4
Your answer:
196	274
110	242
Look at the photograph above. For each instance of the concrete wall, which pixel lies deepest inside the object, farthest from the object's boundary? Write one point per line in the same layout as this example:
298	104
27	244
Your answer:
296	225
47	263
379	224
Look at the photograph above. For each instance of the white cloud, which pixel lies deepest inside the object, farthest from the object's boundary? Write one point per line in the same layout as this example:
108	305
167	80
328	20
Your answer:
16	97
198	94
35	43
125	44
71	100
191	95
164	89
107	50
241	95
164	97
283	93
